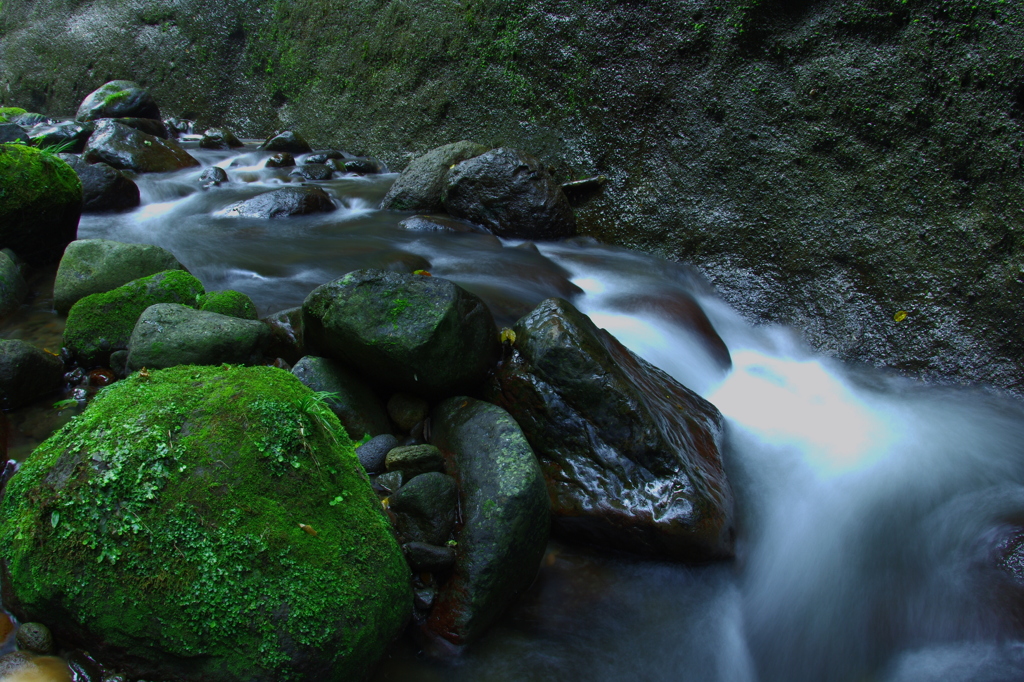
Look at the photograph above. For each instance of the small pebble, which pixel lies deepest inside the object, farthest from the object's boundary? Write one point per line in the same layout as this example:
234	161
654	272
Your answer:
35	637
413	460
389	482
423	557
371	454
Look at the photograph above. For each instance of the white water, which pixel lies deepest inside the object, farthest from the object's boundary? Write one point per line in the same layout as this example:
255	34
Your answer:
869	507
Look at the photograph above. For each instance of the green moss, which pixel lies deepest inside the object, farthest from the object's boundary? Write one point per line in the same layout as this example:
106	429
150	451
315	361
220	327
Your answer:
7	113
101	323
228	302
166	520
114	98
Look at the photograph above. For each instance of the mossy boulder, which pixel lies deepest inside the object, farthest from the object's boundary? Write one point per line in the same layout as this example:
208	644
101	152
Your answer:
118	99
229	302
94	266
13	287
203	523
7	113
40	203
99	324
126	148
419	186
422	335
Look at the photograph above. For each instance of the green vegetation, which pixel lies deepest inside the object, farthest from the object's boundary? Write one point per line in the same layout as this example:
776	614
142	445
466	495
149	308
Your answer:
7	113
228	302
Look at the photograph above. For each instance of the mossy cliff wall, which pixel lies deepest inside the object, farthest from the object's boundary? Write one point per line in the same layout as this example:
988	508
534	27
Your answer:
825	164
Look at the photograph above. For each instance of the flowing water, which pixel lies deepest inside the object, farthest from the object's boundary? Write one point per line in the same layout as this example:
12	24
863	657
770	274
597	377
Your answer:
876	516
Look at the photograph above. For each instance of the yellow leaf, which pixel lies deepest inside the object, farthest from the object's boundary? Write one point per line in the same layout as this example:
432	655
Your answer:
308	529
900	315
508	335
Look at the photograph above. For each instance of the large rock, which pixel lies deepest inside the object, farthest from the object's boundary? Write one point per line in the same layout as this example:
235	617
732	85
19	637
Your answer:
94	266
40	203
219	138
118	99
126	148
100	324
420	185
104	188
13	287
66	136
632	458
424	335
355	404
26	373
12	133
171	334
281	203
205	523
287	141
511	194
505	517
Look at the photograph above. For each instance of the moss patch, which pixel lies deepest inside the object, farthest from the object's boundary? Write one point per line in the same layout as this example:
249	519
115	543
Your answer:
165	522
228	302
7	113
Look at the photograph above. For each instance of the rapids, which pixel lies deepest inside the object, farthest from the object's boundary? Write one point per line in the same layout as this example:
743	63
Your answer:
872	509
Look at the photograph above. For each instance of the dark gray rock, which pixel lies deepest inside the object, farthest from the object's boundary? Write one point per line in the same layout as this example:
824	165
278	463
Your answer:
373	452
150	126
411	333
389	482
13	287
212	177
358	408
504	513
125	148
365	166
26	373
287	339
413	460
170	334
280	160
66	136
431	223
323	156
288	141
420	185
425	508
35	637
632	458
118	99
12	133
407	410
180	126
312	171
93	266
511	194
219	138
282	203
428	558
104	188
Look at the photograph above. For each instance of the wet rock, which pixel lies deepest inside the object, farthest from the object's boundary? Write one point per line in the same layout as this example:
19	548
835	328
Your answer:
425	508
66	136
413	460
42	202
511	194
430	223
180	126
282	203
150	126
14	663
94	266
411	333
373	452
424	597
125	148
505	517
99	324
358	408
219	138
11	133
428	558
282	160
288	141
35	637
30	119
286	340
407	410
119	363
213	177
229	302
365	166
13	287
118	99
631	458
104	188
84	667
171	334
389	482
206	459
26	373
312	171
323	156
421	184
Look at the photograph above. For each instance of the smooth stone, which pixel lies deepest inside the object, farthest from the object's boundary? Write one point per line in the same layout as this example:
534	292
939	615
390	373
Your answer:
358	408
421	184
26	373
13	287
66	136
212	177
312	171
125	148
286	335
219	138
35	637
12	133
373	452
287	141
118	99
423	557
104	188
413	460
283	203
425	508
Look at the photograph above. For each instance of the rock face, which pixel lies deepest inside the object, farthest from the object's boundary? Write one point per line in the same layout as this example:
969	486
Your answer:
355	404
118	99
511	194
40	203
631	458
93	266
283	565
26	373
104	188
126	148
282	203
504	508
420	185
171	334
412	333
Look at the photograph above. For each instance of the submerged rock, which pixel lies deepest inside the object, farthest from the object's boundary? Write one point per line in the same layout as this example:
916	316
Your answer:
125	148
412	333
312	171
420	185
511	194
26	373
219	138
505	517
118	99
206	523
104	188
632	458
282	203
212	177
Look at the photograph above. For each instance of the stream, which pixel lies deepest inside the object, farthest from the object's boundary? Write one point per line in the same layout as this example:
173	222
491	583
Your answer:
875	514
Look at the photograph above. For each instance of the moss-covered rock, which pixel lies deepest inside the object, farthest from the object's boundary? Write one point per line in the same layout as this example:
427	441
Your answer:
118	99
229	302
205	524
99	324
40	203
420	185
10	112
